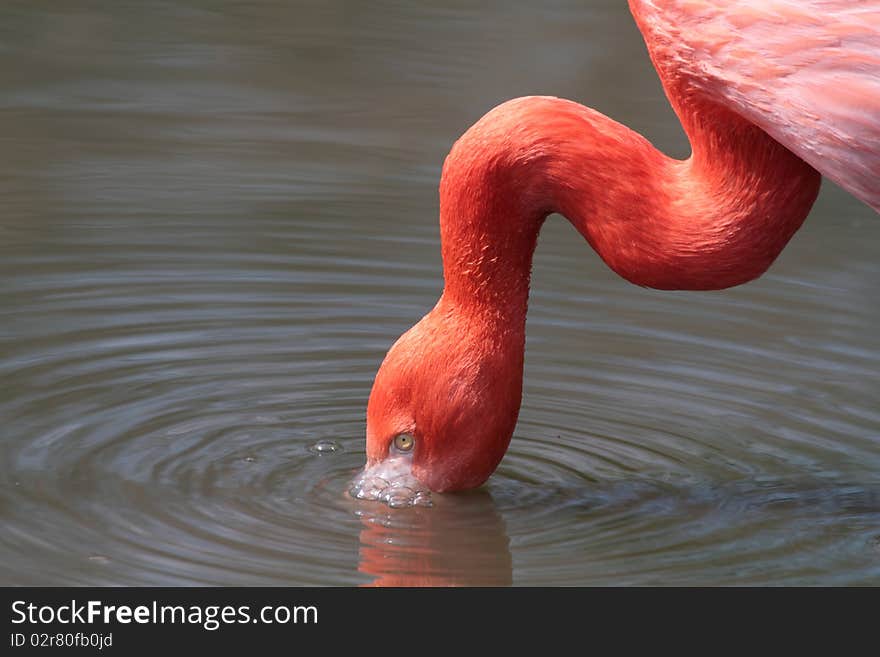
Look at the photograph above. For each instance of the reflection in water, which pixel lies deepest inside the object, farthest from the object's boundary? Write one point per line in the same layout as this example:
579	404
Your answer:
460	541
616	532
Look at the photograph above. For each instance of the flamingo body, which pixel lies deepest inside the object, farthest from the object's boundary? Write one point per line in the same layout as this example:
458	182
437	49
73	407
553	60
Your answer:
748	81
807	72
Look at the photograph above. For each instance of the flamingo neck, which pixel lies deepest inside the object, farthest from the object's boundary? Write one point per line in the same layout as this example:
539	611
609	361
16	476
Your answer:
712	221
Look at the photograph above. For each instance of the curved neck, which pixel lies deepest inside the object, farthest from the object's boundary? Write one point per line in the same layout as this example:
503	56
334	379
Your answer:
715	220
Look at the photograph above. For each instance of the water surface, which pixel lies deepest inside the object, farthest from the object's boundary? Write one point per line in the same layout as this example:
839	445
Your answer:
216	218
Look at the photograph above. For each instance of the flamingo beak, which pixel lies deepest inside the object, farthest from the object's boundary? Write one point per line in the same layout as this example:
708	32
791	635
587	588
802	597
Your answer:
391	481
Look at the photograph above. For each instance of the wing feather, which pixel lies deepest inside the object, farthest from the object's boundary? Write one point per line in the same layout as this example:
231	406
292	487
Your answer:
806	71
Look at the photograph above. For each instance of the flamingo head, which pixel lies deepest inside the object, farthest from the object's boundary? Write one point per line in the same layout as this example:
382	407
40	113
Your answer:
443	406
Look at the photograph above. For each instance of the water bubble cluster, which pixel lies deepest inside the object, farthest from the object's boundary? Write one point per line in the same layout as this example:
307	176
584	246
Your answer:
391	482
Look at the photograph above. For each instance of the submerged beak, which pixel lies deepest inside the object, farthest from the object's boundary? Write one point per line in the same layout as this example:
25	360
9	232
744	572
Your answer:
391	481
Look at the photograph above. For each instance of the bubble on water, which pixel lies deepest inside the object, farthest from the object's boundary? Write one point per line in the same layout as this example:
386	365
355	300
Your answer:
325	447
422	498
391	482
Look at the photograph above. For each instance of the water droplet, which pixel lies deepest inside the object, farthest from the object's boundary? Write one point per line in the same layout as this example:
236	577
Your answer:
325	447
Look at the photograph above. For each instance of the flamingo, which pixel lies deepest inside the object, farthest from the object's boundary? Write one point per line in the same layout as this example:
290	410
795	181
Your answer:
772	95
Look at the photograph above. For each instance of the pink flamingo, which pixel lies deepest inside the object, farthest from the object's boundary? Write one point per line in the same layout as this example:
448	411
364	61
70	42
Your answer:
771	93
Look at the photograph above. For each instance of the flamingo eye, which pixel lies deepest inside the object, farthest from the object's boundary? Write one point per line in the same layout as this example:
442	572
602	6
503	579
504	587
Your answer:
403	442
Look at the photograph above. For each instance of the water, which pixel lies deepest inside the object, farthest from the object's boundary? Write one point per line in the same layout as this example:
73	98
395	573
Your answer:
217	218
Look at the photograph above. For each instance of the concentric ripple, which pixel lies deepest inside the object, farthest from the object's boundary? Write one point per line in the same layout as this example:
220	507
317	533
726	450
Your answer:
210	237
209	433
